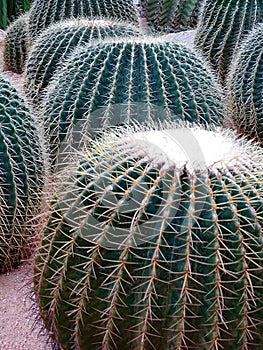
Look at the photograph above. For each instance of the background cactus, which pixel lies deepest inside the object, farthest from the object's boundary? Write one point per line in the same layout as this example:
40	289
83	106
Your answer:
16	44
163	14
21	175
55	43
244	86
221	27
115	82
44	13
154	245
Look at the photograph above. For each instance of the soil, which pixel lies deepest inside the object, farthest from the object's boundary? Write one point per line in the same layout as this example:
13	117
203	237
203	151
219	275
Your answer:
19	329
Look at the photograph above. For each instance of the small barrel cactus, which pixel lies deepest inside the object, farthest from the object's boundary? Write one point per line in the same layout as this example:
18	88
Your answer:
44	13
130	78
244	86
155	244
55	43
221	27
21	174
16	44
163	14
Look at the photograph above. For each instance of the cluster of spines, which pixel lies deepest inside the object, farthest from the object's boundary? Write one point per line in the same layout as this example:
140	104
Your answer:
56	42
115	82
221	27
163	14
137	253
45	13
16	44
244	86
21	175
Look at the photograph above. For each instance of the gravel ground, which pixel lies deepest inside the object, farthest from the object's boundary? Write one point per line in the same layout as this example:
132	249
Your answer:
18	330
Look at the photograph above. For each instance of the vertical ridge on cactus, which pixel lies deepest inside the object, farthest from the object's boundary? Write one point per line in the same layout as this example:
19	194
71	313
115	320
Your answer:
153	245
16	44
221	27
21	175
44	13
118	81
244	86
56	42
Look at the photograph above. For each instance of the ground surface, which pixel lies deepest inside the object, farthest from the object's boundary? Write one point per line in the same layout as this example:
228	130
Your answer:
16	319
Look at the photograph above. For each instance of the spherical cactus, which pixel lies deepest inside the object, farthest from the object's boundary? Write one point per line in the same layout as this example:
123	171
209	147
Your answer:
115	82
244	86
44	13
55	43
155	242
221	27
16	44
21	175
166	13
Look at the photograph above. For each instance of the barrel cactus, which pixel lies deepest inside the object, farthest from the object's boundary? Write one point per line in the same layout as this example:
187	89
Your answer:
221	27
55	43
16	44
116	82
155	244
44	13
244	86
21	174
164	14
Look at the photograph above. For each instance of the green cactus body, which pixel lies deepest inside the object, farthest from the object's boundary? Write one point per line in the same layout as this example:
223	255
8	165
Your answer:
21	175
244	86
222	25
44	13
115	82
152	244
55	43
170	13
16	44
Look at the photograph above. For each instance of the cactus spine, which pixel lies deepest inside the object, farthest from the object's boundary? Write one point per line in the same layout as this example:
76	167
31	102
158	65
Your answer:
221	27
21	175
55	43
244	86
151	245
44	13
16	44
114	82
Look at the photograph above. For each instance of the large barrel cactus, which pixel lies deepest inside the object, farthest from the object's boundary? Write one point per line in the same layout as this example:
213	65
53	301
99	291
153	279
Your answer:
221	27
115	82
21	175
244	86
56	42
155	242
16	44
44	13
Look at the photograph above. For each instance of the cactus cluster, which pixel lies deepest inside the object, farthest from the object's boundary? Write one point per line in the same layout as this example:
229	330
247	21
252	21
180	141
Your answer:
173	14
16	44
56	42
44	13
126	79
153	244
21	174
221	27
244	86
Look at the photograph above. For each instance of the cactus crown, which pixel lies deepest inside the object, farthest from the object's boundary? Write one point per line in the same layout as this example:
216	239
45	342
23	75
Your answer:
244	85
56	42
44	13
21	174
170	256
115	82
16	44
221	27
